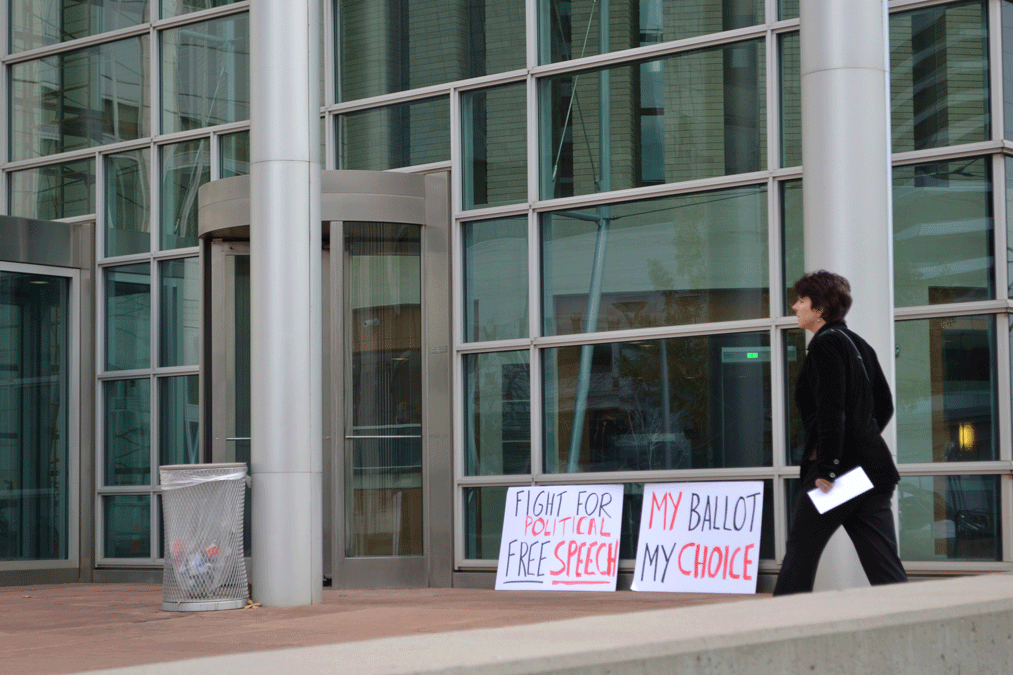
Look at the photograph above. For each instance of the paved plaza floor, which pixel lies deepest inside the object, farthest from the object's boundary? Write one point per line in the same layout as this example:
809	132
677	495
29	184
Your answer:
72	628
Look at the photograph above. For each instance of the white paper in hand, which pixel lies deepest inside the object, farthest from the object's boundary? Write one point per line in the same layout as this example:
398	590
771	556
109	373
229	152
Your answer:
847	486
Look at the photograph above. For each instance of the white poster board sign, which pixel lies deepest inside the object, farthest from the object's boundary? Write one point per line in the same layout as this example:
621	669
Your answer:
561	538
699	537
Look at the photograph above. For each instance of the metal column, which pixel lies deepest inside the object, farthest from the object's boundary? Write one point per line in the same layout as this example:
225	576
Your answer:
285	257
847	206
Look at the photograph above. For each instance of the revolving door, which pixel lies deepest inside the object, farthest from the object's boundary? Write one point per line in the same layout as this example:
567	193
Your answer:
387	462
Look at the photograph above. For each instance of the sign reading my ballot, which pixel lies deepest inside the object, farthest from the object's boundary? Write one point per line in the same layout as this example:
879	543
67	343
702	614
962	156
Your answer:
699	537
560	538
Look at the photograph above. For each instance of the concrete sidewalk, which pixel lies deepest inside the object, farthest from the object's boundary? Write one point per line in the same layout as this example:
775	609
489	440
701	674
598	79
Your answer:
72	628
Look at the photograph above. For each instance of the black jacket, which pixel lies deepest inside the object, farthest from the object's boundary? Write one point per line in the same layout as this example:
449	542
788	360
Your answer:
843	411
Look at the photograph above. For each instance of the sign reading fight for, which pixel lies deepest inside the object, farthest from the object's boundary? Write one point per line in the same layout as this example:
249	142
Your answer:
561	538
699	537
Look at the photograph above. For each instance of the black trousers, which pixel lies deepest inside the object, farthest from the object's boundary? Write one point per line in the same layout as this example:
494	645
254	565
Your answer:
867	519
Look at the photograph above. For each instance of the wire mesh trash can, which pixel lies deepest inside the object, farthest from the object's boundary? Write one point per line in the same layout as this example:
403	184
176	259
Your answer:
202	508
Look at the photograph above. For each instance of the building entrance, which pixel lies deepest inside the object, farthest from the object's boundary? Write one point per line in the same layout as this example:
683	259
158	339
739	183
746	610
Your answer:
44	329
388	476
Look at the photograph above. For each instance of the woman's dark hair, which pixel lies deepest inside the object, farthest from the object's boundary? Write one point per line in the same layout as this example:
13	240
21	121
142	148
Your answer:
826	291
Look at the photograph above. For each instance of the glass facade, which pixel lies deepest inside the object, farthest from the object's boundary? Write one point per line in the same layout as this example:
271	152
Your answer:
84	140
627	191
669	204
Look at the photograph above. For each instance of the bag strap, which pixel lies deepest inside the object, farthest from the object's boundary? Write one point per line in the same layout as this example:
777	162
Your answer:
855	347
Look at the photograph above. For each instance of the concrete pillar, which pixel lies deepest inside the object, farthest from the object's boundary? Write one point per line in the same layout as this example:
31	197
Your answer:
285	258
847	205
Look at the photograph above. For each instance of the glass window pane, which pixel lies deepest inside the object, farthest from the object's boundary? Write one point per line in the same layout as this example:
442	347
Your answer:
235	155
128	317
127	406
56	191
497	416
939	76
663	262
395	136
179	320
385	47
37	23
675	403
206	74
80	99
791	100
171	8
942	232
127	203
794	353
185	167
693	115
178	420
496	279
787	9
495	153
383	390
946	390
35	401
949	518
127	531
571	29
483	521
793	235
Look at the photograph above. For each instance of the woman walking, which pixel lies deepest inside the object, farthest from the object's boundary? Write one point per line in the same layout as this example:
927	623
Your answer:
845	402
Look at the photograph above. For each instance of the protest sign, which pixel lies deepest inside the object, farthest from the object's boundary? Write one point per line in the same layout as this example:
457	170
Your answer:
561	538
699	537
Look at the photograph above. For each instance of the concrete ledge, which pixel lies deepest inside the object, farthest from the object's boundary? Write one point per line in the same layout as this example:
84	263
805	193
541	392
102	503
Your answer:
960	625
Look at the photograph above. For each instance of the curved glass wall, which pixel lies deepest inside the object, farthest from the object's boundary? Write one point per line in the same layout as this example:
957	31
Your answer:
383	390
